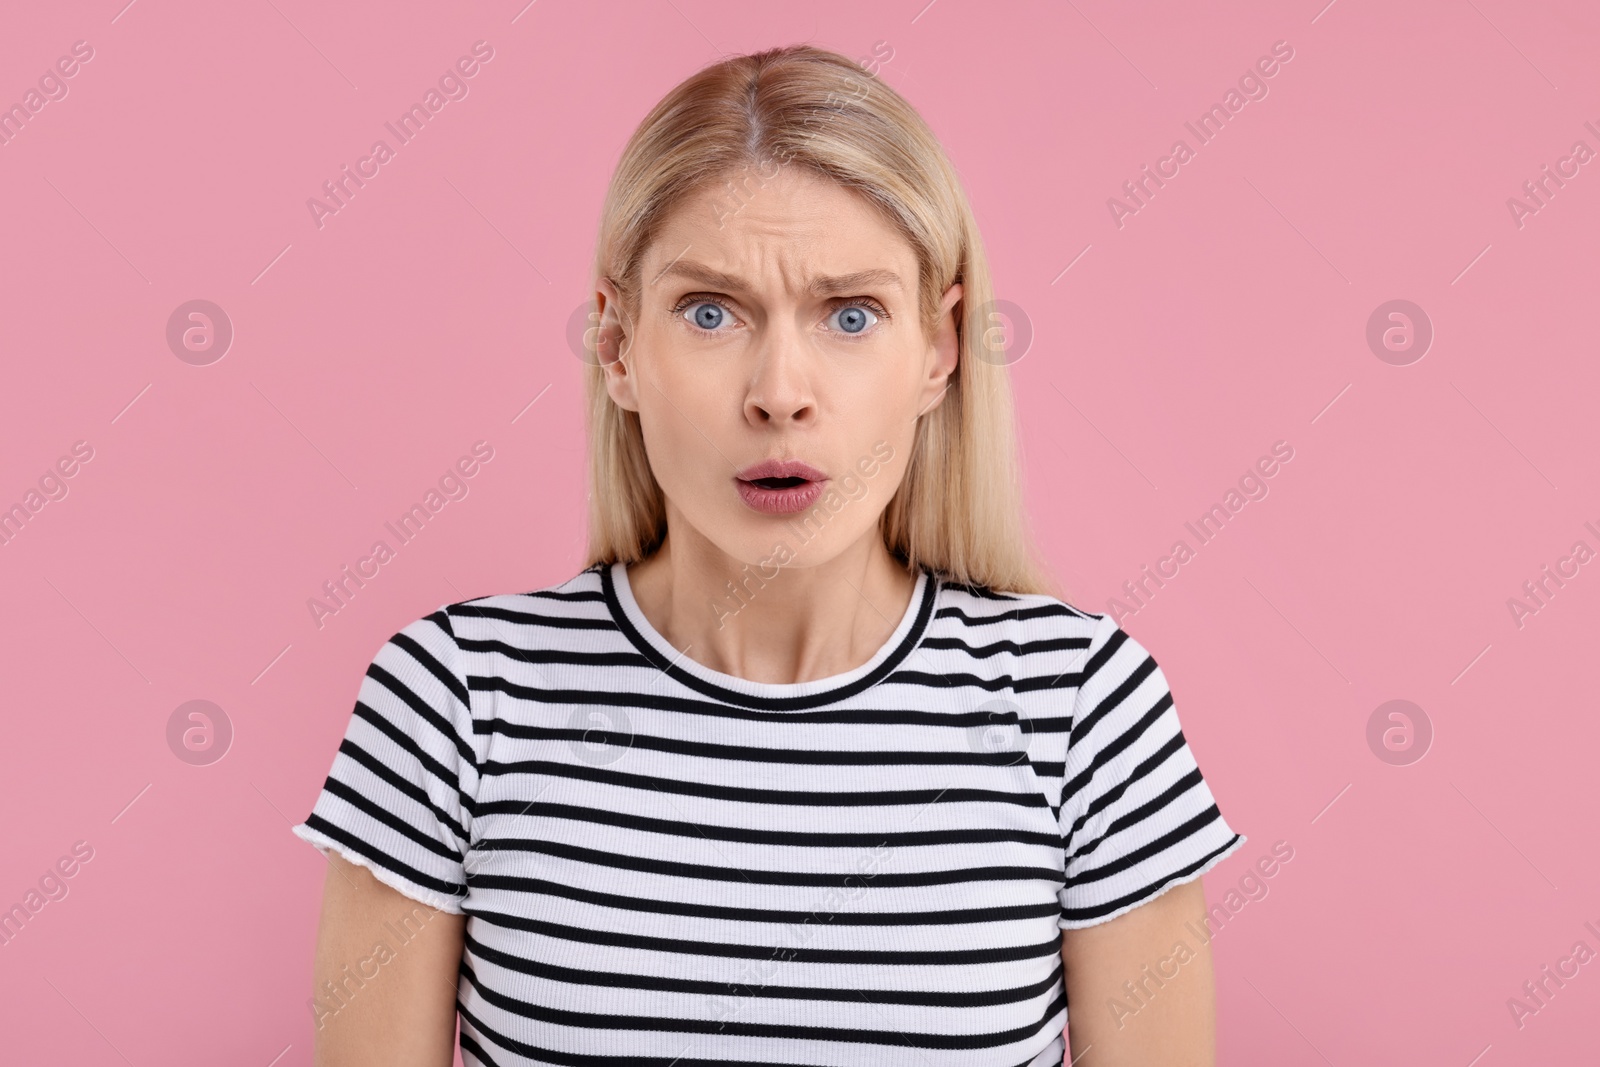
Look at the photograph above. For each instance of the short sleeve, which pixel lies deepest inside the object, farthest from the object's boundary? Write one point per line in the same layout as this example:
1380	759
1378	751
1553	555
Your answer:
399	797
1137	817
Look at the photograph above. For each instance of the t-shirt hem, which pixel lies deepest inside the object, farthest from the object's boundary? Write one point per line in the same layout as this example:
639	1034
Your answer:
1080	924
323	844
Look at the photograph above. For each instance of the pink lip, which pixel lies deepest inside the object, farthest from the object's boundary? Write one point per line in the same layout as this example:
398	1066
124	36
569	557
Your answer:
781	468
780	501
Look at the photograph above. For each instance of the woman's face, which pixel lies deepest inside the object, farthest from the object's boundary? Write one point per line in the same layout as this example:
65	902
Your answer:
781	328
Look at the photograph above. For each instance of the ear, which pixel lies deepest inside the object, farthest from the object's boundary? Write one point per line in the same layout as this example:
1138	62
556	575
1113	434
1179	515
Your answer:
944	351
613	339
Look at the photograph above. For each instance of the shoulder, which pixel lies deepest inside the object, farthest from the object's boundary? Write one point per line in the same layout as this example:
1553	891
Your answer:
977	607
573	602
1037	626
1028	644
461	625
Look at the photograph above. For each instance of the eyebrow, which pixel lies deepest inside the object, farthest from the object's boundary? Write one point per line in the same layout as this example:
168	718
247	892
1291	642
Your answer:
823	285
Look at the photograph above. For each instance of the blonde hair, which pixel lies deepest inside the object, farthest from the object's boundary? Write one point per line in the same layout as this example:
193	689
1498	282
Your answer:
959	508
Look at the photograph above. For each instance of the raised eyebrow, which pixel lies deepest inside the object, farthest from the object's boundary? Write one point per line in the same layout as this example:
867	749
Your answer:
825	285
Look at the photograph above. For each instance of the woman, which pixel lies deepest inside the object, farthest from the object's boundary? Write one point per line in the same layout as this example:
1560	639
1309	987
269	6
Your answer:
808	765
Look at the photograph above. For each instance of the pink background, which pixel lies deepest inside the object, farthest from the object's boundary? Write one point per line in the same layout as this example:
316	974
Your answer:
1229	313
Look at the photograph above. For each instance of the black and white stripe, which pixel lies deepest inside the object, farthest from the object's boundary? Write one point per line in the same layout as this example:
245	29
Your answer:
664	865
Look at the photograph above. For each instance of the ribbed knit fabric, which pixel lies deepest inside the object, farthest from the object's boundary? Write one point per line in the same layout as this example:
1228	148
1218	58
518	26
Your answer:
664	865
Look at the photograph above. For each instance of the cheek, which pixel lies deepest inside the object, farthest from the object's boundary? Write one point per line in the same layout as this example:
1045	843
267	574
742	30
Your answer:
670	443
683	425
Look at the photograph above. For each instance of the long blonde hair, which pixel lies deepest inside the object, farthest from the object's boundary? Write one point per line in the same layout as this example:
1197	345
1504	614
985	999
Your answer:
959	507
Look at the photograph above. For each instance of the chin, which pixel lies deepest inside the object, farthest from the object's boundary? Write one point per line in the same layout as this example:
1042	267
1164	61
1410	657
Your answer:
758	539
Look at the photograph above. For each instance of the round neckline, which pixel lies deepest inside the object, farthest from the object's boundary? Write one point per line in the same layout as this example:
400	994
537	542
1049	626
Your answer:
774	696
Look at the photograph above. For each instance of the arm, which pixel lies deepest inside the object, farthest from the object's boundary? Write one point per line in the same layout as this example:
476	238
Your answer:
1172	1022
392	1002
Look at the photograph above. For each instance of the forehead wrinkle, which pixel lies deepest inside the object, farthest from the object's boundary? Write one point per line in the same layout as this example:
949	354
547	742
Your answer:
818	285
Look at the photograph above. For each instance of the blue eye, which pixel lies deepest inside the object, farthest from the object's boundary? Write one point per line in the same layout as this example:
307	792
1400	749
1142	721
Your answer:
853	318
707	316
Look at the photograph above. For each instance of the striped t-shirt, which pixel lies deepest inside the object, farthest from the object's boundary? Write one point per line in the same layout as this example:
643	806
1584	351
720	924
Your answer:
664	865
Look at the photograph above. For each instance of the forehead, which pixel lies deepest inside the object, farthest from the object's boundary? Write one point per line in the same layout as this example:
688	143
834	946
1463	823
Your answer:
787	230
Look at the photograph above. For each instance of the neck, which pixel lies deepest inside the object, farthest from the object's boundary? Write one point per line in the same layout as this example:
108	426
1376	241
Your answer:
802	623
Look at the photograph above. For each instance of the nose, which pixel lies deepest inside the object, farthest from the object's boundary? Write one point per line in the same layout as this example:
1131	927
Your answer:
780	390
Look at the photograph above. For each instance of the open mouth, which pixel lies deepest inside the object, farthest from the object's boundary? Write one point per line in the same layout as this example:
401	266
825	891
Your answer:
780	487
